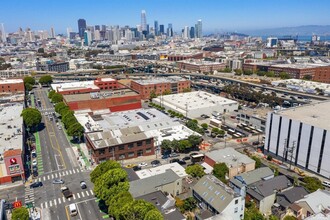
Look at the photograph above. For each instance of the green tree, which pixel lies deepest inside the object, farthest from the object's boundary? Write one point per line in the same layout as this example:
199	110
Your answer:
289	217
57	97
103	168
29	80
167	92
195	140
204	126
284	75
28	87
31	117
153	215
117	202
51	94
166	144
312	183
70	121
257	160
308	77
195	170
252	213
220	170
136	210
46	80
238	72
66	114
248	72
227	70
270	74
273	217
187	90
76	130
189	204
21	213
59	106
153	94
184	144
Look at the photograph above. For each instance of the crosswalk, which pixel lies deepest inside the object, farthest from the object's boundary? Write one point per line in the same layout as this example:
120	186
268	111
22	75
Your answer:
59	174
29	195
58	201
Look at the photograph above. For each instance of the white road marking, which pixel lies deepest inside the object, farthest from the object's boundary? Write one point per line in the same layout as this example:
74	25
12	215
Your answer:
73	171
63	199
66	172
52	176
92	192
46	204
70	172
82	193
74	197
50	203
78	170
87	193
54	202
59	201
42	206
48	177
55	175
78	195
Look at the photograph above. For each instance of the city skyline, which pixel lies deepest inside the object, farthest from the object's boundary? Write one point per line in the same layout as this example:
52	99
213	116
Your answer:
217	16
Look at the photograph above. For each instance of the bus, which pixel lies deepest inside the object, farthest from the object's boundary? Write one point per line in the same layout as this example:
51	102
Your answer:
235	136
244	125
197	158
231	131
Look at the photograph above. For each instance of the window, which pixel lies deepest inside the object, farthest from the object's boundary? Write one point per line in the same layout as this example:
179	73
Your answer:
112	149
236	201
122	156
148	141
139	143
236	210
121	147
130	146
130	154
101	151
148	150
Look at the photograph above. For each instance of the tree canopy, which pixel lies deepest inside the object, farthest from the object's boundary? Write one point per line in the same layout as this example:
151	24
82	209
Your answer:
31	117
21	213
137	210
51	93
57	97
46	80
195	170
220	170
103	168
312	183
76	130
29	80
257	160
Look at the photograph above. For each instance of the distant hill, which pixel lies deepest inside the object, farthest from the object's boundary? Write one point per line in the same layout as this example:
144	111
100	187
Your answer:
305	30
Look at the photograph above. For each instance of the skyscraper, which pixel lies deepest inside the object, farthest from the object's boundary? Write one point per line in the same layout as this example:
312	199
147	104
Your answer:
186	32
52	32
170	30
198	27
192	32
156	28
143	20
87	38
161	29
68	31
81	27
3	33
97	27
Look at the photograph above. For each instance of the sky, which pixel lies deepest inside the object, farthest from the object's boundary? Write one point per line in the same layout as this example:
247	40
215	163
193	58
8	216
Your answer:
218	16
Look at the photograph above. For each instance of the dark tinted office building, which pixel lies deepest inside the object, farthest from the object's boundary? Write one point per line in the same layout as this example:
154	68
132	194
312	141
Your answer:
81	27
161	29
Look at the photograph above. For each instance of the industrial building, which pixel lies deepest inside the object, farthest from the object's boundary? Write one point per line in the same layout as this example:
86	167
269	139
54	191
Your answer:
12	86
194	104
160	85
200	66
301	136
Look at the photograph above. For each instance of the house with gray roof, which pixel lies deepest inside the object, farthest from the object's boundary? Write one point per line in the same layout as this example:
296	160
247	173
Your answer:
263	193
217	199
168	182
239	182
312	204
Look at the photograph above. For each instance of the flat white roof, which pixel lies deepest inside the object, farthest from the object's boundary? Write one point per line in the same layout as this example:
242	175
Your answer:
314	114
73	85
10	81
11	125
195	100
177	168
156	80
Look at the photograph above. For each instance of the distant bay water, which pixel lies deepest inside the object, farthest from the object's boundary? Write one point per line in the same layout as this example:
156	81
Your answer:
302	38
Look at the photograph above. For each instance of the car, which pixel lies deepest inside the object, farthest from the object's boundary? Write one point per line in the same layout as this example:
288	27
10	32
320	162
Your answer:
143	164
35	173
186	158
130	165
182	162
255	143
34	162
36	185
83	184
59	127
155	163
33	154
193	154
174	155
58	181
136	168
174	161
165	156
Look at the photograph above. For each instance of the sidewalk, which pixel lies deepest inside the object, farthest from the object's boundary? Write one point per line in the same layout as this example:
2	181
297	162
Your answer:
10	185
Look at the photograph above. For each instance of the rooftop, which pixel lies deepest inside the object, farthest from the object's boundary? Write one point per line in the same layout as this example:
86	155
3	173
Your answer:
252	176
230	156
11	81
11	125
290	196
195	100
99	95
215	192
74	86
175	167
148	185
313	114
317	201
157	80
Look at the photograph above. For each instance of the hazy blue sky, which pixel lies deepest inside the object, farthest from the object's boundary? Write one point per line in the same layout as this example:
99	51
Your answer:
217	15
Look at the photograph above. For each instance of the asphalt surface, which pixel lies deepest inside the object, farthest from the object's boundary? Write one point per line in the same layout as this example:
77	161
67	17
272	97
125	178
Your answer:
59	162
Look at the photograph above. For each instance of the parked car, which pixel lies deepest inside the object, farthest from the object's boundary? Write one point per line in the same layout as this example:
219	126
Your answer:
165	156
174	155
58	181
136	168
255	142
143	164
174	161
192	154
182	162
155	163
83	184
36	185
186	158
34	154
34	162
130	165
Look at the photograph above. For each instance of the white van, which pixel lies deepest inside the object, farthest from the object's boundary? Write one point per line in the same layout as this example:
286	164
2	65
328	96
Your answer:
73	209
326	183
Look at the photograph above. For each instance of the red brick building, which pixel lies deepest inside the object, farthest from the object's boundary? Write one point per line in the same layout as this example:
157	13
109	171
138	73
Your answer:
200	66
12	86
127	144
14	166
160	85
116	100
184	56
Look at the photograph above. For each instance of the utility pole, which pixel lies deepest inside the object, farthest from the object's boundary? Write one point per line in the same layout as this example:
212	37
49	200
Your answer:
291	150
285	150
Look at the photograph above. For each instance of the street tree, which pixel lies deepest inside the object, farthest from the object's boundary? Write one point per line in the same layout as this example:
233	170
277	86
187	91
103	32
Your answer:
153	215
117	202
220	170
284	75
28	87
204	126
153	94
31	117
57	97
70	121
51	93
257	160
136	210
312	183
76	130
103	168
29	80
21	213
195	140
46	80
184	144
166	144
59	106
289	217
195	170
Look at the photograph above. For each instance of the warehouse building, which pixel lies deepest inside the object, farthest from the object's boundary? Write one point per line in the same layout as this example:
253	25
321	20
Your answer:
301	135
194	104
